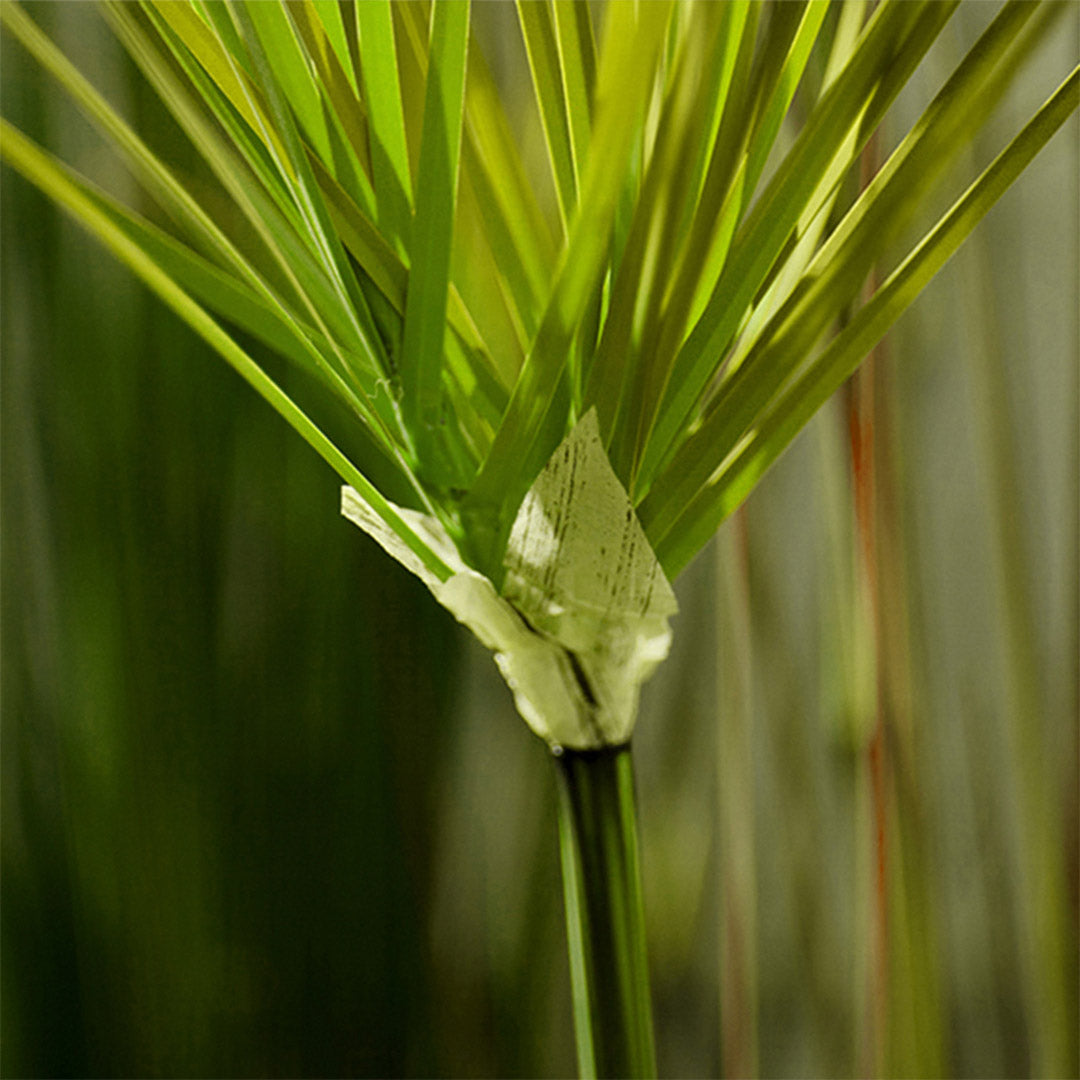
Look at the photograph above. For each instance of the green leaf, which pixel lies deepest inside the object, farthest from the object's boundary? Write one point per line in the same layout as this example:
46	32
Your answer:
295	167
382	92
329	14
204	281
577	60
960	109
470	364
348	122
285	58
151	171
541	45
436	195
733	21
147	166
778	85
352	358
497	208
363	239
713	222
645	264
815	217
346	356
248	128
514	226
722	188
207	48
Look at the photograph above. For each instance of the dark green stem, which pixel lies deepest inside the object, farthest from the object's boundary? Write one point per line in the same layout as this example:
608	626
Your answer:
605	923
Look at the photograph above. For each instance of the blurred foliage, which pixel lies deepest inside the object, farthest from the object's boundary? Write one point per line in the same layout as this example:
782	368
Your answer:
267	811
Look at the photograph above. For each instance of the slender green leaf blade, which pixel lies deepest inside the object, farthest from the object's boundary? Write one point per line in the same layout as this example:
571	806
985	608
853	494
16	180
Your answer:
382	92
329	12
206	283
347	118
258	35
577	60
290	66
209	50
271	212
733	20
436	188
538	29
645	262
783	89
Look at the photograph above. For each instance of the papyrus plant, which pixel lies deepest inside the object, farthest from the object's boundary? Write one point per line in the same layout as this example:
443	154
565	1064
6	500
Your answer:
565	373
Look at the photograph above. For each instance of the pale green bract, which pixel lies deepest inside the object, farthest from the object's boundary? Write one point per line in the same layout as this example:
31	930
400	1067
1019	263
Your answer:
582	621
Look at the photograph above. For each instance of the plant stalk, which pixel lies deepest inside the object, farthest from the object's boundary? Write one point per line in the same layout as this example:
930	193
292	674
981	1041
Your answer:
605	920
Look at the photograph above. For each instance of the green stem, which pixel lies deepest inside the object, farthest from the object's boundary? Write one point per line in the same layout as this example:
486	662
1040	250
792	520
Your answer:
605	922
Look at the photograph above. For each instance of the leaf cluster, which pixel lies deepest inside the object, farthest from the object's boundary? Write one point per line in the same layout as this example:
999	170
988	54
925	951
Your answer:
698	278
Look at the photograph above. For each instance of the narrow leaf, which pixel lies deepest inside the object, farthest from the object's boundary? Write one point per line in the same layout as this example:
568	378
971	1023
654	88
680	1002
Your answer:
425	304
347	116
270	212
329	12
577	60
286	59
382	92
300	178
538	30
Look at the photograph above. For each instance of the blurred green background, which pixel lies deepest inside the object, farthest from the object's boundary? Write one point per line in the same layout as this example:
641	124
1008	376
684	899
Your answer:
267	810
